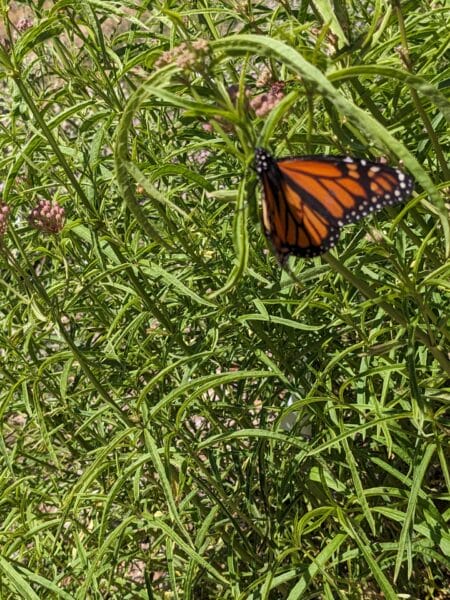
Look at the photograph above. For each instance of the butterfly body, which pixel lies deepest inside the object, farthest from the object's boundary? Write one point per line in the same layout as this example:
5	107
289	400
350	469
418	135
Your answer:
308	199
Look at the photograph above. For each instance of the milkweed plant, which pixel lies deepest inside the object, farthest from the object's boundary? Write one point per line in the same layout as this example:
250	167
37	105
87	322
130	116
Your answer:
181	416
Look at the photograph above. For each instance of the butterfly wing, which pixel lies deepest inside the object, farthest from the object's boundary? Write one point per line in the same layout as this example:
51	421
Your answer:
290	224
308	199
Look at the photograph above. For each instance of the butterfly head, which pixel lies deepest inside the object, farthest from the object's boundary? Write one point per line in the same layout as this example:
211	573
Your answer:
263	160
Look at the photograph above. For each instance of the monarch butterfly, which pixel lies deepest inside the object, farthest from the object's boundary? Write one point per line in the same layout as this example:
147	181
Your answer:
308	199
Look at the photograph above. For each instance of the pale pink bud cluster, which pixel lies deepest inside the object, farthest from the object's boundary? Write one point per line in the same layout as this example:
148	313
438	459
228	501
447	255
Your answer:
201	156
207	127
47	217
187	56
24	24
264	103
4	214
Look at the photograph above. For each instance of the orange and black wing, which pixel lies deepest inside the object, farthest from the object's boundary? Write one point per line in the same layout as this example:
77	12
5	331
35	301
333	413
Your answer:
308	199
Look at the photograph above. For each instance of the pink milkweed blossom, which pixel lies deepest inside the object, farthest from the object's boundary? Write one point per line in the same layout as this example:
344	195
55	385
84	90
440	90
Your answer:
23	24
47	217
188	55
4	214
264	103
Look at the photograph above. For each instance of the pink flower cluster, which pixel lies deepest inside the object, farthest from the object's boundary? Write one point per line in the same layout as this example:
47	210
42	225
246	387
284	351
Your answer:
24	24
264	103
260	104
47	217
187	56
201	156
4	213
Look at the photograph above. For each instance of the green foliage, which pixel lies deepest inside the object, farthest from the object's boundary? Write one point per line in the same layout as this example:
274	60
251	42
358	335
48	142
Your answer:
181	417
